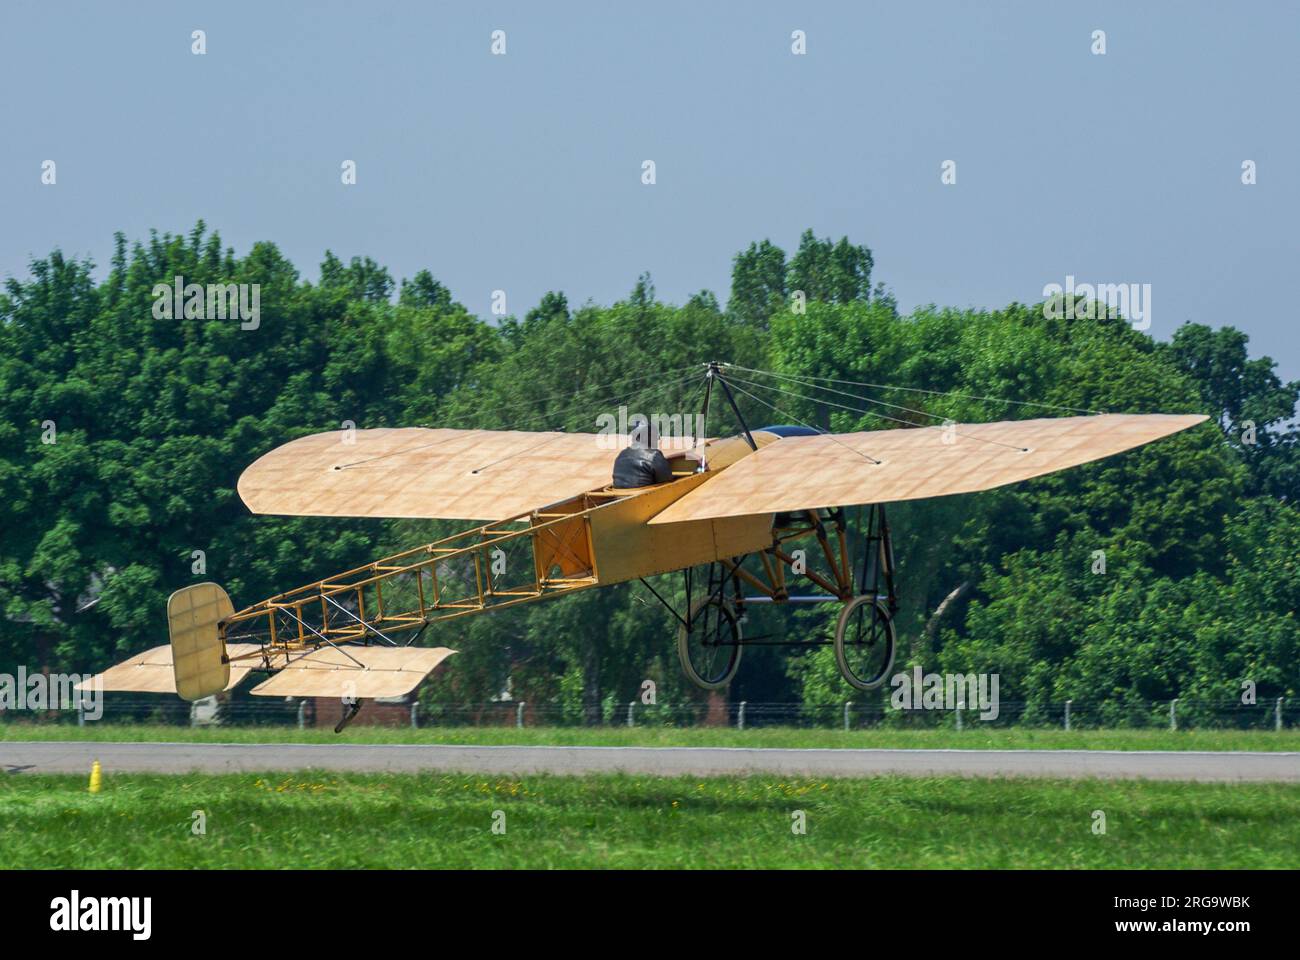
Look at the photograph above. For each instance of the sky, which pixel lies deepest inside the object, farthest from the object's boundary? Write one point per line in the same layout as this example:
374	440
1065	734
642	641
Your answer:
523	172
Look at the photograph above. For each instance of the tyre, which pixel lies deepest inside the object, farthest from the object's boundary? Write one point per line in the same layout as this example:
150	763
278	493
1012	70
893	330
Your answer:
864	642
710	650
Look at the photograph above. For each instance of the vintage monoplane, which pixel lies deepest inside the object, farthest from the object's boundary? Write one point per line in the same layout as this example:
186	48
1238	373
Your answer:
727	514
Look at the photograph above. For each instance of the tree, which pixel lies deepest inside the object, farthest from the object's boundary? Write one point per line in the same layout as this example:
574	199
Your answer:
153	419
1255	409
424	291
757	283
830	272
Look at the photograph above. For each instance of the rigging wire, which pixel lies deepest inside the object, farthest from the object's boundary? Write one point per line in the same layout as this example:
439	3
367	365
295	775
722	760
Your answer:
940	393
782	413
883	416
550	415
519	453
655	390
853	396
808	382
572	394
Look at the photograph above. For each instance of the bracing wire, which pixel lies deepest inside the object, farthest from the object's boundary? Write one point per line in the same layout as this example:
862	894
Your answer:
572	395
550	415
938	393
883	416
654	391
782	413
829	403
676	381
853	396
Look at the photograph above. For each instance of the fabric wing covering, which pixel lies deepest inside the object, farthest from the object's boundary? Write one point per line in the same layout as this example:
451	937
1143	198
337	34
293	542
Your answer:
151	671
832	470
415	472
353	671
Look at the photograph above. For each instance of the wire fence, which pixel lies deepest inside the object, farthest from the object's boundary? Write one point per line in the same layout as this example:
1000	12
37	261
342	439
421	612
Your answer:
1266	714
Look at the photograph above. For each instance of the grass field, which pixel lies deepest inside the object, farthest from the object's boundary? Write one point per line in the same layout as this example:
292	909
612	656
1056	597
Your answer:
992	738
339	821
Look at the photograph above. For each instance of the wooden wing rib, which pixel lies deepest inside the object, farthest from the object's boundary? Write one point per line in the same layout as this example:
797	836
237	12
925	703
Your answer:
426	473
805	473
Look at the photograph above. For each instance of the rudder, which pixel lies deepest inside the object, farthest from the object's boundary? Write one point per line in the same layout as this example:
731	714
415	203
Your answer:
198	652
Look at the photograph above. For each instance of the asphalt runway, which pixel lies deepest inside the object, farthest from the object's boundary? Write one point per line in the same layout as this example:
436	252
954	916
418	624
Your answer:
77	756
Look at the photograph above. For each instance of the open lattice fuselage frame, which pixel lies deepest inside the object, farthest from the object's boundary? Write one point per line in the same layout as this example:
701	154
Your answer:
350	606
595	539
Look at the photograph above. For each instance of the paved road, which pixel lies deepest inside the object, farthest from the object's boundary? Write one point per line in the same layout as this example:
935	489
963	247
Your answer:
76	757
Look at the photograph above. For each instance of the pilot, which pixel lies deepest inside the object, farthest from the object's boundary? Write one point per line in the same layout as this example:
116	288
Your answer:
638	466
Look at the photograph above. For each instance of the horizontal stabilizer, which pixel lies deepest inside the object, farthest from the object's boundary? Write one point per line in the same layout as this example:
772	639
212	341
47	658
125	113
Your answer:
354	672
152	672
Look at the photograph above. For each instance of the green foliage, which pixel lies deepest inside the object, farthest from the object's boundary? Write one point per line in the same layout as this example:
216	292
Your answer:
831	272
757	283
1249	402
153	419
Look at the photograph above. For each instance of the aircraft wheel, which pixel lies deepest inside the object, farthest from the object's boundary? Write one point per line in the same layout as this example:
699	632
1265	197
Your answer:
710	650
864	642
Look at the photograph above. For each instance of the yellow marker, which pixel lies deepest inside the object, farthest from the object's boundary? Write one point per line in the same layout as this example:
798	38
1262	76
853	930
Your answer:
95	777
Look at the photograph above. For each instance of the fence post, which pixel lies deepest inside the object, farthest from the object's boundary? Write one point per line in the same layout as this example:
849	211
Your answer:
519	713
1277	715
1067	713
960	704
847	704
740	716
631	706
1173	714
81	712
415	714
302	714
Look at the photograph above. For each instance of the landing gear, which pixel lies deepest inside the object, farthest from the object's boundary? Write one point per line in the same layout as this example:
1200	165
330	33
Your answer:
721	594
864	633
708	643
864	642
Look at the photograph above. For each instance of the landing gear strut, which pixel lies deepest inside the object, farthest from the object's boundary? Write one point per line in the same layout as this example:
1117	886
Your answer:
709	636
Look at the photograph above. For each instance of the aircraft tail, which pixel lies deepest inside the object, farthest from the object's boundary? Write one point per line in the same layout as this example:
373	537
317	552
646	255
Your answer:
198	652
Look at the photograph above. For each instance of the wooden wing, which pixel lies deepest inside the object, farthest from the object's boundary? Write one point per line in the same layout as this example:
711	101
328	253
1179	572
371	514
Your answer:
831	470
426	473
